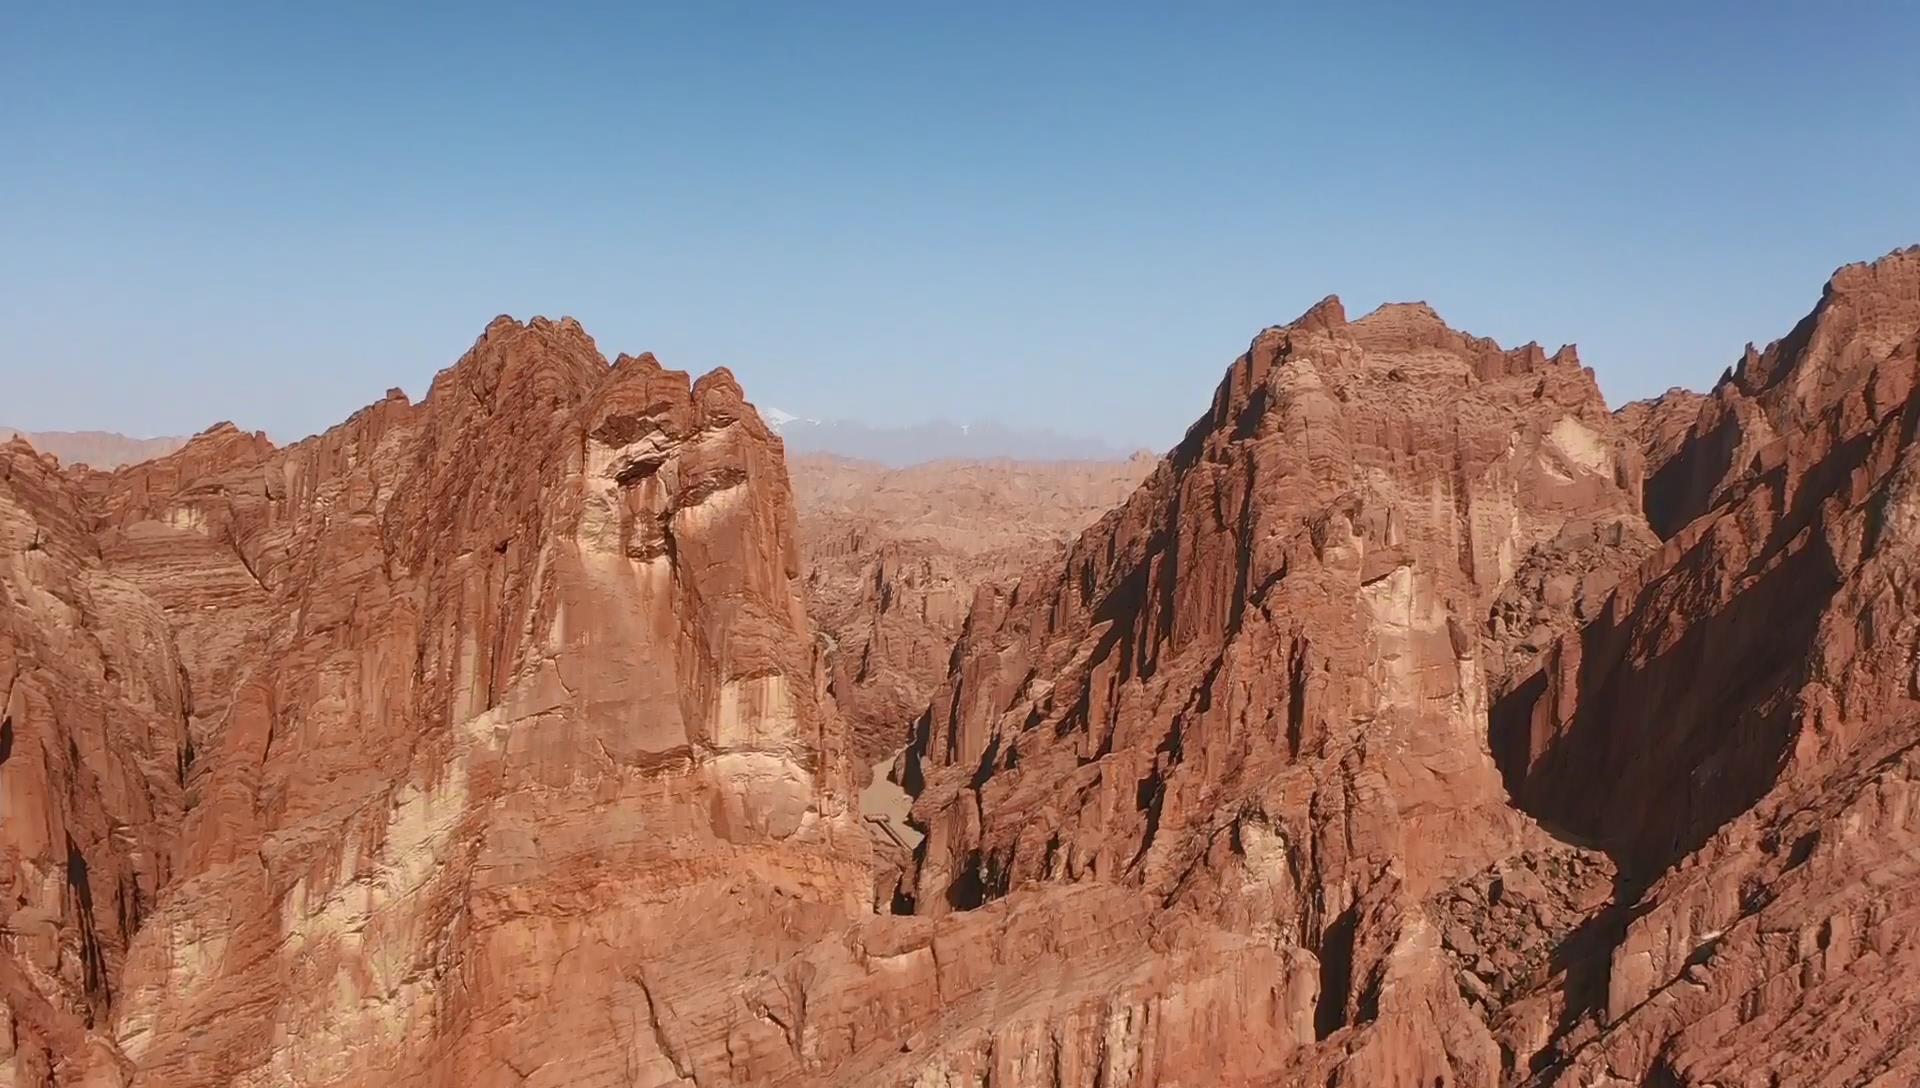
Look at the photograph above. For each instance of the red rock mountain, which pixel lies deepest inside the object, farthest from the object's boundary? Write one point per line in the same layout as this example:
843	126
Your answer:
405	753
1255	696
1740	728
1416	721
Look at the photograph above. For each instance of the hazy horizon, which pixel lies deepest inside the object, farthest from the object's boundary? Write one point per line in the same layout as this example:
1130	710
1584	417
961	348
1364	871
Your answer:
1069	219
1120	446
804	436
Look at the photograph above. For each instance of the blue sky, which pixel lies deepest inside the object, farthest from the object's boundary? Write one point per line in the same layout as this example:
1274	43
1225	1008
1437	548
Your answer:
1073	216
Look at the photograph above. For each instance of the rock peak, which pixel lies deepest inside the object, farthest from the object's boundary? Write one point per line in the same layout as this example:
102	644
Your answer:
1206	654
1408	326
1328	313
1416	311
1865	310
548	601
17	441
1899	271
454	728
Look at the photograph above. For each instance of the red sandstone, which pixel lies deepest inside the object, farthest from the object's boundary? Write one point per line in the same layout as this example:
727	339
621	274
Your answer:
1416	720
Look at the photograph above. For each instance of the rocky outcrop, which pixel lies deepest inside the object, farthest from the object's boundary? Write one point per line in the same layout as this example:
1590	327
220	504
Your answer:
1256	693
1737	727
1660	424
93	751
465	725
484	741
1390	731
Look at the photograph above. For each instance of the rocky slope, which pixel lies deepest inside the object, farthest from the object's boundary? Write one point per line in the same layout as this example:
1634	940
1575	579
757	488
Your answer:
1257	694
483	741
894	557
1415	721
1739	726
452	731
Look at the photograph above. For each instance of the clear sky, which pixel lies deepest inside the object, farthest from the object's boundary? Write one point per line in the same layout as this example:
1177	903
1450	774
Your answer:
1036	214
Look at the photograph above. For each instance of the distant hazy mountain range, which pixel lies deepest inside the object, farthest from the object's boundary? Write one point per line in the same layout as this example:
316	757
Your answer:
895	446
101	449
936	441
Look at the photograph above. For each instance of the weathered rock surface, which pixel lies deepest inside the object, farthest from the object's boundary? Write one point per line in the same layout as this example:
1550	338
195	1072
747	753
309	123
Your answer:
93	746
1738	727
483	741
1257	692
458	734
1389	732
1661	424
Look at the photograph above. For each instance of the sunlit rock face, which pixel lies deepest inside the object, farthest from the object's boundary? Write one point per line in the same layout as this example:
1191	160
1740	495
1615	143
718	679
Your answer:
1415	721
406	752
1257	692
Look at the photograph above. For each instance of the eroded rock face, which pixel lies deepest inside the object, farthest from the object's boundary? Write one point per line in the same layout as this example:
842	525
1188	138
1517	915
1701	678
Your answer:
485	715
490	745
93	749
487	740
895	557
1257	692
1738	727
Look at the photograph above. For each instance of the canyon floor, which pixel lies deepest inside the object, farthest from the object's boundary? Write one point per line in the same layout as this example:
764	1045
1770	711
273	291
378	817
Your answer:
1416	720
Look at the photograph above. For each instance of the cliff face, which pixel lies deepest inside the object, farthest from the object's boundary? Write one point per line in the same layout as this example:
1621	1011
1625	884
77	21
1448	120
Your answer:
1739	726
485	714
1391	731
1257	692
93	743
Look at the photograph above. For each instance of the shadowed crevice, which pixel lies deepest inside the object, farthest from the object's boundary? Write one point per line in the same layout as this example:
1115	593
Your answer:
1336	974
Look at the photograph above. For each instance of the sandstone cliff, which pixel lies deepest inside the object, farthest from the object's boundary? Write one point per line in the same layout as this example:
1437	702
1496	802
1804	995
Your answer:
407	753
1738	727
1416	720
1257	694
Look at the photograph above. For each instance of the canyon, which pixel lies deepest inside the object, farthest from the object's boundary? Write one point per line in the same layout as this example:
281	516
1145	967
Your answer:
1416	720
895	556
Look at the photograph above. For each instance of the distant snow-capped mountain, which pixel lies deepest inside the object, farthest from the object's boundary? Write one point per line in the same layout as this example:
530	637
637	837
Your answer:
778	419
935	441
